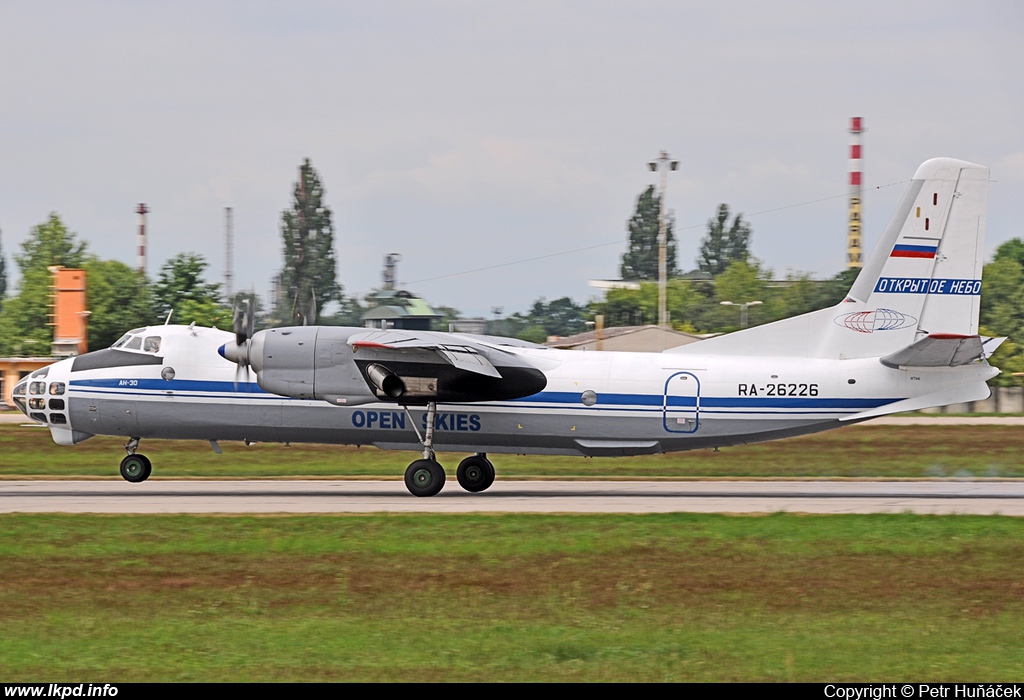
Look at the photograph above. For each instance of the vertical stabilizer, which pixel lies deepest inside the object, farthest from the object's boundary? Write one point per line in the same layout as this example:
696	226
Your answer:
923	278
928	264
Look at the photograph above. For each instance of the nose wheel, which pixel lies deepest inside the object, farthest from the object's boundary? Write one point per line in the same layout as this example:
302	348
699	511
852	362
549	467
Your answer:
136	468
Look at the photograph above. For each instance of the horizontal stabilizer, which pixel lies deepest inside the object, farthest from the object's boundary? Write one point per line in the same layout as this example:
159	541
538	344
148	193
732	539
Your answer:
460	355
938	350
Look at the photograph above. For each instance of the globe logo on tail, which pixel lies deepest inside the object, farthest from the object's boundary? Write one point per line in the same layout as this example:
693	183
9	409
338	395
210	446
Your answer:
876	320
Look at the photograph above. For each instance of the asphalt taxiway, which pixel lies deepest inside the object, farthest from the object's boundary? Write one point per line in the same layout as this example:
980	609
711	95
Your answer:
335	496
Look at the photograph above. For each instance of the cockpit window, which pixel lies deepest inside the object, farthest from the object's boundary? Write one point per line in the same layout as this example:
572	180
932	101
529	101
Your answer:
122	340
134	344
40	373
37	388
57	388
152	344
20	389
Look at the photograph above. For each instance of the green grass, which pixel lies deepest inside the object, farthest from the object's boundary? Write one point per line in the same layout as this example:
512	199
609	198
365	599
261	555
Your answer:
523	597
856	451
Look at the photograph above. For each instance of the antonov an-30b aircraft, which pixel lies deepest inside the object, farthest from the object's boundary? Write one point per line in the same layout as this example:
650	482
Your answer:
905	338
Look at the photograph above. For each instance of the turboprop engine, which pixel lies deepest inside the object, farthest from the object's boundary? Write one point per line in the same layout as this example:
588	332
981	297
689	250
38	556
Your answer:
352	366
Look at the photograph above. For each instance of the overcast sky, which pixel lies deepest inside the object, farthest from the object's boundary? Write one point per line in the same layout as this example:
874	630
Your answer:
467	135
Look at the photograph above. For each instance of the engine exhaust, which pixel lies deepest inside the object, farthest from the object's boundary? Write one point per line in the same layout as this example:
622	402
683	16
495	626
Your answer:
385	381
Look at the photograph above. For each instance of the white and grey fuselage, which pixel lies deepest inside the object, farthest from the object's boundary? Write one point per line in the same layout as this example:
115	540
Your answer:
594	403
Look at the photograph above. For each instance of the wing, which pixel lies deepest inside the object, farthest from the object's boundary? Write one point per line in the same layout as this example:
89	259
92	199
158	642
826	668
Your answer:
463	356
421	366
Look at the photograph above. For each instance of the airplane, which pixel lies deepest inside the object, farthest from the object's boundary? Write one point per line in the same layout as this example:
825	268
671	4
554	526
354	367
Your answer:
904	338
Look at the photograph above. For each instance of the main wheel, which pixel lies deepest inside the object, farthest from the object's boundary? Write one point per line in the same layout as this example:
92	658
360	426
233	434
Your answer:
475	473
136	468
424	477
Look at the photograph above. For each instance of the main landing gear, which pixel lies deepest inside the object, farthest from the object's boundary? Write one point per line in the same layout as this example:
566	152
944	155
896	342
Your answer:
425	477
135	467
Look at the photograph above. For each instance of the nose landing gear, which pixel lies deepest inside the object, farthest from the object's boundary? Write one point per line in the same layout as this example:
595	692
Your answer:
135	467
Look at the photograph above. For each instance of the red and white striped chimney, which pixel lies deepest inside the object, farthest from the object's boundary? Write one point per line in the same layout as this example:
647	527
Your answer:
853	232
142	211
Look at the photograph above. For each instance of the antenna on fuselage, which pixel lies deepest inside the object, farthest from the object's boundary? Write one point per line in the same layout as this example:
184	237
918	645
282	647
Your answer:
167	321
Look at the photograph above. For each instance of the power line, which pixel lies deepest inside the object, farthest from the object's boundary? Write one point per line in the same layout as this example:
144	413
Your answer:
619	241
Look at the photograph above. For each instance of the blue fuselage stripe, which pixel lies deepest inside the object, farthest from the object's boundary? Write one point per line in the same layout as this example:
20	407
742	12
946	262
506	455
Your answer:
188	388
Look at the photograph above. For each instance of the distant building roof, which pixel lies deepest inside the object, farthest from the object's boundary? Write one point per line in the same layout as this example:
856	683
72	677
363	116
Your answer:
391	304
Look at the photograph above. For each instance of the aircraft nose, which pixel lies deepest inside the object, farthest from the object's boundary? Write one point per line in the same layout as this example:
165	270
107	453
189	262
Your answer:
20	395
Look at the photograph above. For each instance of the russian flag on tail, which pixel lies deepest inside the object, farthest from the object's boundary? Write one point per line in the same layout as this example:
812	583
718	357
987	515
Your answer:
901	250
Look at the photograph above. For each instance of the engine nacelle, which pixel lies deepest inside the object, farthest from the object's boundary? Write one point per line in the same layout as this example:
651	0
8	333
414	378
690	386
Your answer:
317	362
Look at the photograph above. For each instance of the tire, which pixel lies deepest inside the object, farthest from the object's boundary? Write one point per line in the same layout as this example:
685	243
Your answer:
136	468
424	477
475	474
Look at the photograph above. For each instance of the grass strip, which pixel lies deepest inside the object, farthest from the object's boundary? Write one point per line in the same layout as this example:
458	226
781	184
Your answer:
520	597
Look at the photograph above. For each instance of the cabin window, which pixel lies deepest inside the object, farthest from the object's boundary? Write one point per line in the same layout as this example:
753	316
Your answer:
152	344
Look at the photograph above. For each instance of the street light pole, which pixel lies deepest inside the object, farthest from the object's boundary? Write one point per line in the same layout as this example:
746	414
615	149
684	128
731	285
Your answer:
743	310
664	164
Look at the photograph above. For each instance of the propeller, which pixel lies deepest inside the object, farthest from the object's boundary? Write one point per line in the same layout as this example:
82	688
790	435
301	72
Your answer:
243	318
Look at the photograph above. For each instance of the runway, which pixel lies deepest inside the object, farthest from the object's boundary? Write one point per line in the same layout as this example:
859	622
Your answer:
507	496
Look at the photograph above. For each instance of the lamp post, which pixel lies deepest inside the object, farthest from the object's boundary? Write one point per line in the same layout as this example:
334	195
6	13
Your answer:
743	310
663	164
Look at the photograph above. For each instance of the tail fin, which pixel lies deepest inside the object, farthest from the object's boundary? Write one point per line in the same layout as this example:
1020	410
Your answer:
923	278
928	263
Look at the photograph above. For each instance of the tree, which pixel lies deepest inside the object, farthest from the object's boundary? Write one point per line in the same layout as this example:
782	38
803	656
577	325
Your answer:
559	317
724	245
640	261
1012	249
119	300
24	326
181	287
742	282
309	274
636	307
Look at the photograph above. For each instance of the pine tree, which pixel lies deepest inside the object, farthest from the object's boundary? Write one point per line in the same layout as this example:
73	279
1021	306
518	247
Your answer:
722	246
640	261
309	274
